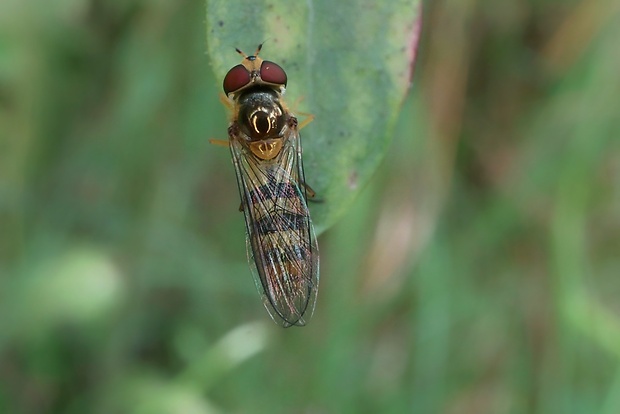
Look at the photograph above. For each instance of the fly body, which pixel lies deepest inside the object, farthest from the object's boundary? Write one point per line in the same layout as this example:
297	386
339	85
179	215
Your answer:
267	155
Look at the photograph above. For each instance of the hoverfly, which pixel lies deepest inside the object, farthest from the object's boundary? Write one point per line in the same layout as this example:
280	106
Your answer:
266	152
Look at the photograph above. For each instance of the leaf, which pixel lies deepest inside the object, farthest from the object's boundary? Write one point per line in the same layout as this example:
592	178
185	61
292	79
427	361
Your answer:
350	63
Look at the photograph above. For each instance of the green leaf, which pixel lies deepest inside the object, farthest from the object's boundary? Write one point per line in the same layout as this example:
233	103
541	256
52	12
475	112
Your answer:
350	63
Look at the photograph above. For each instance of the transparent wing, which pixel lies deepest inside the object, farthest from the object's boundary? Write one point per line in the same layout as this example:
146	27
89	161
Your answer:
282	247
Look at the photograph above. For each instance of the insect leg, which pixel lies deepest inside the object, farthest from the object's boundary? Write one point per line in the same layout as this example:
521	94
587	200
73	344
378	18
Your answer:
309	118
219	142
309	191
226	102
311	194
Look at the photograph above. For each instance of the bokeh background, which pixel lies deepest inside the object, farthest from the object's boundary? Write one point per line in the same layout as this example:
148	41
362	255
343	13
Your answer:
477	273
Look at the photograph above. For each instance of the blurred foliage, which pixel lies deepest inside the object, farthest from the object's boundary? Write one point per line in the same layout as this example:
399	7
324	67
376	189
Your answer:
476	273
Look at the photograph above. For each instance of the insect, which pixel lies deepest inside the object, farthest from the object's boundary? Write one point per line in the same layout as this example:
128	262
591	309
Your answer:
267	156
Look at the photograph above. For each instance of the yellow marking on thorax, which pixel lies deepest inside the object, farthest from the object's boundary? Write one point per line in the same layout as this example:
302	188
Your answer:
266	149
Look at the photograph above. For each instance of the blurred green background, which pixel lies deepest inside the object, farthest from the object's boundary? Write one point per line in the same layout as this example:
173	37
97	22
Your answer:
477	273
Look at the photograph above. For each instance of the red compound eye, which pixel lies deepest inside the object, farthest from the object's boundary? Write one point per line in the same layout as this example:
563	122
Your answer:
272	73
236	78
